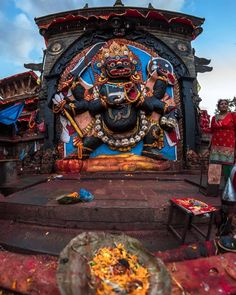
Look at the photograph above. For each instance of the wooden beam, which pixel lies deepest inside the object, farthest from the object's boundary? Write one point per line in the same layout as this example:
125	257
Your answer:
29	82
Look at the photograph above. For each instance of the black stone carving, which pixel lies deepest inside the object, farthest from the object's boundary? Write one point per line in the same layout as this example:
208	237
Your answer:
201	64
89	39
182	47
34	66
162	49
118	3
144	38
56	48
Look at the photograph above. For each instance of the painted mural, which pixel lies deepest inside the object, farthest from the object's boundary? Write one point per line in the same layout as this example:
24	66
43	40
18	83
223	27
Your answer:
117	98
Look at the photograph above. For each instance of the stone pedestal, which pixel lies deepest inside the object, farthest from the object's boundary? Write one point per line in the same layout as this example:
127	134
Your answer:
8	171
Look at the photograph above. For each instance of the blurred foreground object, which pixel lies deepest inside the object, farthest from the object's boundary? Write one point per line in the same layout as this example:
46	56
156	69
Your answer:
74	277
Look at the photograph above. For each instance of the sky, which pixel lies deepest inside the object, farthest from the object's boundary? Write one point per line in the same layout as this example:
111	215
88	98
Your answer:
21	43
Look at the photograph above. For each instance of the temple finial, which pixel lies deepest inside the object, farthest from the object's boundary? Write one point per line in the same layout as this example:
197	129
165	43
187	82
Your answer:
150	6
118	3
86	5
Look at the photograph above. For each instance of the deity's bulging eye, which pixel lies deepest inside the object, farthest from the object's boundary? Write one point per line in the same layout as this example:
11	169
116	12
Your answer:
135	61
153	68
112	65
125	63
117	57
99	65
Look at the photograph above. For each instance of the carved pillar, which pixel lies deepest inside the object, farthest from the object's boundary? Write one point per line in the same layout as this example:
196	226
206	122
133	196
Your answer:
50	131
48	116
191	132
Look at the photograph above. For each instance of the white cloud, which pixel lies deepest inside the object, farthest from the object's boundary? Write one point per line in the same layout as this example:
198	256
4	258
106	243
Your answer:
18	39
220	83
22	21
44	7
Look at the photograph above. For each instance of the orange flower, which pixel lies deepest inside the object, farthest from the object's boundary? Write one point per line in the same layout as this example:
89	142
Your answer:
114	269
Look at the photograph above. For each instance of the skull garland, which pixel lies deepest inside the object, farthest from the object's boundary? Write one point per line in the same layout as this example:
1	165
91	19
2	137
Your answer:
120	103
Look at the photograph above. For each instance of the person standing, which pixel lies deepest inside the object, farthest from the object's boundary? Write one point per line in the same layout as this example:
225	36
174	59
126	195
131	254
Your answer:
223	126
222	147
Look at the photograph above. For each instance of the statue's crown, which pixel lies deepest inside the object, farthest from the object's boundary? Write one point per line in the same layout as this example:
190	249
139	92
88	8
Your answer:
115	49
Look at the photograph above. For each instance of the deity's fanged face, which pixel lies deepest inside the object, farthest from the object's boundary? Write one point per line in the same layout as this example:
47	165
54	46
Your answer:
118	66
117	61
159	66
162	68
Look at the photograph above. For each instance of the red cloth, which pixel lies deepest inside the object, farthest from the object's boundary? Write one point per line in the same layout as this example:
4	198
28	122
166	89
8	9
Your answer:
28	274
212	275
204	121
173	137
194	206
223	139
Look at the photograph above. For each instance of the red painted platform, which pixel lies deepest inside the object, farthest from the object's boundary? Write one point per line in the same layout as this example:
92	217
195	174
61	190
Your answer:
211	275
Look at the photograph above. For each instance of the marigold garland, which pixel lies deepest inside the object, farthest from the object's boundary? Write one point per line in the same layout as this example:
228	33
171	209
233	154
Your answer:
116	271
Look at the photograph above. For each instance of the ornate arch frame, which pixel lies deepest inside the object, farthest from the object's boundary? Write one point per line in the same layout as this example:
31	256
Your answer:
188	125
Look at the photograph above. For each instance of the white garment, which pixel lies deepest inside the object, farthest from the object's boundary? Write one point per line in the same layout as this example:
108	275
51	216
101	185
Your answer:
65	137
229	193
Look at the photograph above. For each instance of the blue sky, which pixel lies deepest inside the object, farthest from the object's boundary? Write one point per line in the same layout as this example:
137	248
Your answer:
21	43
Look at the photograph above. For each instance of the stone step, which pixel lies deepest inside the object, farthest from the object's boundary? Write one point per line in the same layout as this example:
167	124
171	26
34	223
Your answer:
32	219
118	204
26	238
